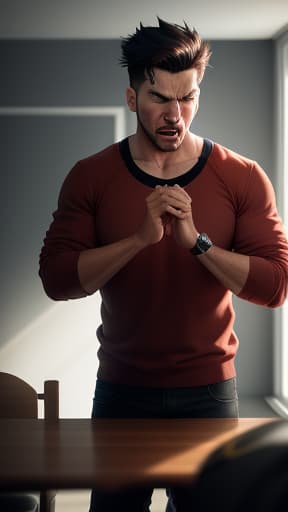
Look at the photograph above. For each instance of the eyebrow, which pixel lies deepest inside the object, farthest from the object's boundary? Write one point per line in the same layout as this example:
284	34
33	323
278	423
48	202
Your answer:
171	98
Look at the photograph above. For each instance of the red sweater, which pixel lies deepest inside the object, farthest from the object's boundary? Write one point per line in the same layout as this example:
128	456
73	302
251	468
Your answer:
166	320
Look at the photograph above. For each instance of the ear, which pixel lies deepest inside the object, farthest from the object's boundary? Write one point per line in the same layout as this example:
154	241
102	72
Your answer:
131	98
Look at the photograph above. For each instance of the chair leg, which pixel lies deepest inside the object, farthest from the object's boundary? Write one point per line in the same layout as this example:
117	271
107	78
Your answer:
47	501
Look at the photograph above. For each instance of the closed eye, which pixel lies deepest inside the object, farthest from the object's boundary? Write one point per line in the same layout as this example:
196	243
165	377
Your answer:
191	97
159	97
188	98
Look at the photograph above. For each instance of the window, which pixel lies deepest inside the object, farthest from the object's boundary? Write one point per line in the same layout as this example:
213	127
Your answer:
279	401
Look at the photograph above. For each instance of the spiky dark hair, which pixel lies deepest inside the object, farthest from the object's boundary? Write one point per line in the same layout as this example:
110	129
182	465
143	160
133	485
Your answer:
169	46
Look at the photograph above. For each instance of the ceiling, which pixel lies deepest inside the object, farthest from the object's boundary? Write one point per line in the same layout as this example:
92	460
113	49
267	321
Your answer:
98	19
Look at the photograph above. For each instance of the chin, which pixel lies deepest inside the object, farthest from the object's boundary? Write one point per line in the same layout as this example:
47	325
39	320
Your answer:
169	146
169	149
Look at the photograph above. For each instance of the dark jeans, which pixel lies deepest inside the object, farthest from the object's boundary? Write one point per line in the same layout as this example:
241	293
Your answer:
120	401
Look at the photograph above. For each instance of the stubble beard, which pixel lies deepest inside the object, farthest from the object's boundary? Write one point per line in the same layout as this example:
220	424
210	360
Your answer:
153	139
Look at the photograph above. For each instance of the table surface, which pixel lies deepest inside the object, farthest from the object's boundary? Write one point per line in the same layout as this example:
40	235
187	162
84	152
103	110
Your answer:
110	453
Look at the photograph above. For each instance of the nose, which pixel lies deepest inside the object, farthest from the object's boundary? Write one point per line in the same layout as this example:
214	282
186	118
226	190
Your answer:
173	112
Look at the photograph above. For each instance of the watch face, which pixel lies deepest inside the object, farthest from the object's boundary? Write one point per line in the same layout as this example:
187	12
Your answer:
204	243
204	238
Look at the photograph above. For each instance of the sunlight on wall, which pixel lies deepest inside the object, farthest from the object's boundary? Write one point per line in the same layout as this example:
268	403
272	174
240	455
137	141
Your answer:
60	344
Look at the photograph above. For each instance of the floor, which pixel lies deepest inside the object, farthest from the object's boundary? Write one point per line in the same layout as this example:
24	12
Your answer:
78	501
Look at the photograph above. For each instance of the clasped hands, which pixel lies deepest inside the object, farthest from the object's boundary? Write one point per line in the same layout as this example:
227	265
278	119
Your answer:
168	211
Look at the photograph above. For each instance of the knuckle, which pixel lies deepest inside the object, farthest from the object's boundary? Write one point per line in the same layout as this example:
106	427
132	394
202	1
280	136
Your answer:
164	201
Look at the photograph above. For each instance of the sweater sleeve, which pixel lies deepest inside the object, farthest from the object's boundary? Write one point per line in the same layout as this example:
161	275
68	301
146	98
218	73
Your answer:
260	235
71	231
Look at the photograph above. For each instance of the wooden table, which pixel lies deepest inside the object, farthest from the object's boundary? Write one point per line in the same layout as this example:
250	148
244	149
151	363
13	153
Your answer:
84	453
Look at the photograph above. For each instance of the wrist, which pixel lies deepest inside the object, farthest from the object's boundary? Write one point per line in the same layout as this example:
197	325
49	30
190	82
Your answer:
138	242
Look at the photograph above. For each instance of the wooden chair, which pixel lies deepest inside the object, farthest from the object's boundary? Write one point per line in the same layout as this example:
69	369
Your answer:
20	400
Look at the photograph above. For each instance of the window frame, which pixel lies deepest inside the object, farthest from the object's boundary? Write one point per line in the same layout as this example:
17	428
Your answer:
279	400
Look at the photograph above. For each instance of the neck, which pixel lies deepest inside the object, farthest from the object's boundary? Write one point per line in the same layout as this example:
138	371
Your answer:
163	164
143	150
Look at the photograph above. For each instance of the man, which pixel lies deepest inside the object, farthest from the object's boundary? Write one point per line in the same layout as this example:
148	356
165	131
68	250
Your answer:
167	225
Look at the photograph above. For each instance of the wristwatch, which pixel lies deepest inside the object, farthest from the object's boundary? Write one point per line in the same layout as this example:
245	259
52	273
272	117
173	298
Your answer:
202	245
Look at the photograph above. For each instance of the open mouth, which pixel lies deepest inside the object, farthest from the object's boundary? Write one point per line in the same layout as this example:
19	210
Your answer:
168	132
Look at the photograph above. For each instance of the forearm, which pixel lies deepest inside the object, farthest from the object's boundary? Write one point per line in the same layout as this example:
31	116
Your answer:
230	268
97	266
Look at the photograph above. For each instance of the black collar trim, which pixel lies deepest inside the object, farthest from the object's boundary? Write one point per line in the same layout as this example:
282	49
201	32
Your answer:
152	181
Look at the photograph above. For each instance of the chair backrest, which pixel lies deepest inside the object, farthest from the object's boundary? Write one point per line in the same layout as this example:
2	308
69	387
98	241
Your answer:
20	400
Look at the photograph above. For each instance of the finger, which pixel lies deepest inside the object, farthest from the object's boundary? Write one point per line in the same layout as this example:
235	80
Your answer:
177	191
176	212
162	197
157	205
182	191
177	200
155	195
